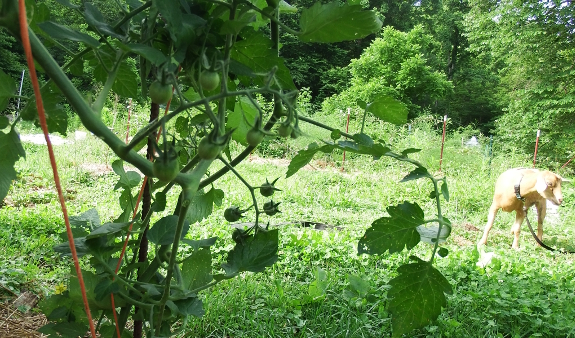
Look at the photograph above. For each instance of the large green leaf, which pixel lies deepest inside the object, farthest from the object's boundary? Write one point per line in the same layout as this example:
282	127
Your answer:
238	119
150	53
128	180
190	306
416	297
108	229
56	117
304	156
388	109
60	32
197	269
164	230
334	23
126	82
255	52
202	205
393	233
253	253
95	19
7	89
11	150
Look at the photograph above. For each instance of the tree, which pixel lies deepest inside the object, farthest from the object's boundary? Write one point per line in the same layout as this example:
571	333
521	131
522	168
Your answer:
530	43
395	65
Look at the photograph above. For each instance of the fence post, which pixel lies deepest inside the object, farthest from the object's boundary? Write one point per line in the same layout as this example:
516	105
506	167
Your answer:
536	145
442	142
346	130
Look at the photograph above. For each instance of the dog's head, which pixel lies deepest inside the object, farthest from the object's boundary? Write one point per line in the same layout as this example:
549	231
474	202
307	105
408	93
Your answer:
549	186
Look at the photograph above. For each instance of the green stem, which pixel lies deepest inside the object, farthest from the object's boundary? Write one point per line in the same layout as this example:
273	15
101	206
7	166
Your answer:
133	14
440	219
103	96
250	188
321	125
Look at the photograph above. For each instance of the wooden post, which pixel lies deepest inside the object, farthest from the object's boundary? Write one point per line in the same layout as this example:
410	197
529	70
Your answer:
442	142
346	130
536	145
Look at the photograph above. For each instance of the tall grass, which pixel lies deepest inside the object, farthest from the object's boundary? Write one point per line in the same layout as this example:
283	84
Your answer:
518	294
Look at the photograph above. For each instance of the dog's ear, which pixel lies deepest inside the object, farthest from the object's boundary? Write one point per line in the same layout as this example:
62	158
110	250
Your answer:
541	185
564	180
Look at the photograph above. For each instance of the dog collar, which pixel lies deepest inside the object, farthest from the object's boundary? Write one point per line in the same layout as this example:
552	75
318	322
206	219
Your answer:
518	188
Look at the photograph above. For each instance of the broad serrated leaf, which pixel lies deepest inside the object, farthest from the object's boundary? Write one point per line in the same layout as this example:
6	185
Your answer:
255	52
126	82
417	295
170	11
201	243
11	150
334	23
60	32
105	288
159	201
95	19
190	306
408	213
197	269
202	205
389	109
108	229
254	253
56	117
444	191
128	180
238	119
302	158
164	230
82	248
390	234
415	174
358	285
71	329
7	89
149	53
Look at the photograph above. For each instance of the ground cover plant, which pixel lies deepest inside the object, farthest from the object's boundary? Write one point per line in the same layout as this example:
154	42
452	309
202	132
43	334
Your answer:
180	245
144	269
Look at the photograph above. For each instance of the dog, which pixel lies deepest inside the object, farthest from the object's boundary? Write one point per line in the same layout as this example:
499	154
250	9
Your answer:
521	187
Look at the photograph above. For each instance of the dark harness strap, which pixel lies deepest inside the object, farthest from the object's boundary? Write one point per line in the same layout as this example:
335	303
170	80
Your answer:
518	190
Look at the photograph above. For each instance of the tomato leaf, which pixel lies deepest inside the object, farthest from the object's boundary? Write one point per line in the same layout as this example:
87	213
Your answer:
416	296
388	109
197	269
149	53
253	253
60	32
128	180
202	204
107	229
244	111
190	306
7	89
11	150
334	23
126	82
304	156
445	191
415	174
255	52
56	117
393	233
164	230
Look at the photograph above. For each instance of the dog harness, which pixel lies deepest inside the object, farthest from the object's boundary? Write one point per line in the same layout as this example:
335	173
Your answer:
518	189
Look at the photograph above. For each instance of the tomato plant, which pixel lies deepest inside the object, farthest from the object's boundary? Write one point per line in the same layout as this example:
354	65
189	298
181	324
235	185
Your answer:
158	289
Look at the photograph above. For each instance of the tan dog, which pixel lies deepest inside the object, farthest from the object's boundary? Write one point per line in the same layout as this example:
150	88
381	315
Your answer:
535	187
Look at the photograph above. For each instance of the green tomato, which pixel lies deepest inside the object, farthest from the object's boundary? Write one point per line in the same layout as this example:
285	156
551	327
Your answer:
160	94
165	169
254	137
285	130
209	80
233	214
271	208
207	150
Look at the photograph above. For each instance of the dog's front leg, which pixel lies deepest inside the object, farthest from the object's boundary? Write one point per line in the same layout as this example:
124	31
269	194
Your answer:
541	212
516	228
